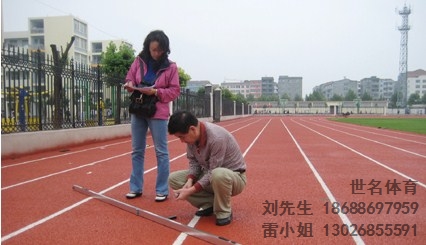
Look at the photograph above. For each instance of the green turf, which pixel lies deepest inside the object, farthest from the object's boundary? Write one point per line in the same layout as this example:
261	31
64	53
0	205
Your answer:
416	125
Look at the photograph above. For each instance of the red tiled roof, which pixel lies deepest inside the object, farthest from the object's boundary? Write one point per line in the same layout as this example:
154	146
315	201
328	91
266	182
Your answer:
416	73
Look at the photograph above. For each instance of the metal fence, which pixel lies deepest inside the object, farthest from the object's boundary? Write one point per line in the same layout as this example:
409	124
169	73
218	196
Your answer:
37	94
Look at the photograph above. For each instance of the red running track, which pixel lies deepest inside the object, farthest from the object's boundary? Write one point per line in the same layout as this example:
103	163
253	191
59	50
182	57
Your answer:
310	181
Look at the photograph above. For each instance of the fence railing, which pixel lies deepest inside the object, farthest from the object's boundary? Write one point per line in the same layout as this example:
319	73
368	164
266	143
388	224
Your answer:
38	95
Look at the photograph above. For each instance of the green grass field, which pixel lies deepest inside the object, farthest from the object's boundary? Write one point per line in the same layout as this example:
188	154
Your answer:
415	125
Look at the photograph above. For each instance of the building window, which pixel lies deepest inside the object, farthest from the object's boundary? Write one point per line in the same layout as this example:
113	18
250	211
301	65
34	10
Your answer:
96	59
36	26
80	28
80	44
37	43
97	47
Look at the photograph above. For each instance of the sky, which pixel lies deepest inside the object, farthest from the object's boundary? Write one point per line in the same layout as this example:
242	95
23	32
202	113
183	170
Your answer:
218	40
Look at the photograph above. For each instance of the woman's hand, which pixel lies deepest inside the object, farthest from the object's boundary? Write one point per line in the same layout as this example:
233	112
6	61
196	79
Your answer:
150	91
129	86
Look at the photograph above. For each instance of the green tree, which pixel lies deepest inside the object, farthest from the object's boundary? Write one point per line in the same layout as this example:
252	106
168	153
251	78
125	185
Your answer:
183	77
298	98
201	91
285	96
315	96
366	97
226	93
393	100
414	99
250	97
336	97
240	98
115	63
350	95
424	98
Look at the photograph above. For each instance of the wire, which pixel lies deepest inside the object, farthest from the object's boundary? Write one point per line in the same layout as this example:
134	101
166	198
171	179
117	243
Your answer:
59	10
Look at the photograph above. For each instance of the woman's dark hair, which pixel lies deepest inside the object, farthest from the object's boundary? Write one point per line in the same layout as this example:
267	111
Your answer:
163	43
180	122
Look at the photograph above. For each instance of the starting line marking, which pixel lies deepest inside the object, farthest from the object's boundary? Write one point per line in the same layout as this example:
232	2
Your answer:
213	239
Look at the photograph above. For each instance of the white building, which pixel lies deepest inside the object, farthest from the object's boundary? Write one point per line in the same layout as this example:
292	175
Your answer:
194	86
378	88
99	46
416	82
290	86
340	88
58	30
245	88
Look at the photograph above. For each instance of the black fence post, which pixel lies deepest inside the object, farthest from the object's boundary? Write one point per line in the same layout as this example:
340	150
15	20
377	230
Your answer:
207	103
101	103
217	95
73	104
187	101
40	92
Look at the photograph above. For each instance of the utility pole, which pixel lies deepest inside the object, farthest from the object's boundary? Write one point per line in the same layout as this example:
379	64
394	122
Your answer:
403	55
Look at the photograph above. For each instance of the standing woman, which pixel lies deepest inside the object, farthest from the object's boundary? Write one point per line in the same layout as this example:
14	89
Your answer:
162	73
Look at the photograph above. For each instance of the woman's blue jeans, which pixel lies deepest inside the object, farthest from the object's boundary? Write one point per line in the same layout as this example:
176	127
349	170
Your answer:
158	129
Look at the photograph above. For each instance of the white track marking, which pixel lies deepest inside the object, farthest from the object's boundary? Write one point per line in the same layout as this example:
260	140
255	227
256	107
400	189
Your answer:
41	221
371	131
358	240
365	156
375	141
85	150
90	164
64	171
64	154
54	215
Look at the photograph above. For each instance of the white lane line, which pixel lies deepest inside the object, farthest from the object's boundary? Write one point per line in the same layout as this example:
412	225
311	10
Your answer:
41	221
358	240
181	238
64	171
365	156
64	154
375	141
85	150
72	169
89	164
370	130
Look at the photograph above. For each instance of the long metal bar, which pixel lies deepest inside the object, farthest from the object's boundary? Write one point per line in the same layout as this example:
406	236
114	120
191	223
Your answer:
213	239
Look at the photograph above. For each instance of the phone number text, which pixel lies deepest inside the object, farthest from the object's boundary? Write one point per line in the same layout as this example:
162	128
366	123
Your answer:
370	230
371	208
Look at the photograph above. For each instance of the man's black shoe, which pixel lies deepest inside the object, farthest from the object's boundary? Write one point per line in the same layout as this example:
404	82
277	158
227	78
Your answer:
204	212
225	221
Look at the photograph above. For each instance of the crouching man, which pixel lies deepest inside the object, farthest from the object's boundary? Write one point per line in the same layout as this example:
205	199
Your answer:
217	169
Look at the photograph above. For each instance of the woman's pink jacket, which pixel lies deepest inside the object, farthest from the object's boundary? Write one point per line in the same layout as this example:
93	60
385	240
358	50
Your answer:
167	85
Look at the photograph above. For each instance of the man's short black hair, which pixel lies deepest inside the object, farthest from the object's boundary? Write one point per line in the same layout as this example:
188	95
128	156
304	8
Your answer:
180	122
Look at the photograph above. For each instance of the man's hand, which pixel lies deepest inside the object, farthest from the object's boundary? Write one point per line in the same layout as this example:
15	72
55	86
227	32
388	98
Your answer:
189	183
184	193
186	190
